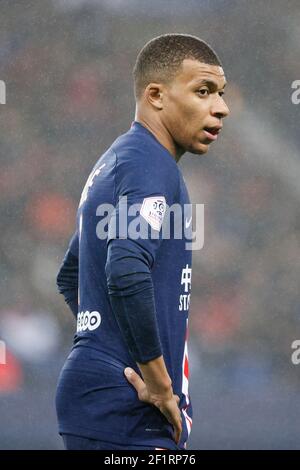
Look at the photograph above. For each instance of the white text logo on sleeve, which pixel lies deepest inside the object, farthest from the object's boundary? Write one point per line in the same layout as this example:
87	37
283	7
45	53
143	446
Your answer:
153	210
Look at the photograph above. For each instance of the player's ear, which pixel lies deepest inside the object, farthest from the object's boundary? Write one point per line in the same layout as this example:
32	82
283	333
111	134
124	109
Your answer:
154	94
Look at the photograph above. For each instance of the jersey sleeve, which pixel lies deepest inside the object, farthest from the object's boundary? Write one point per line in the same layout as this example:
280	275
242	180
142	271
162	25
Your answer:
143	192
144	189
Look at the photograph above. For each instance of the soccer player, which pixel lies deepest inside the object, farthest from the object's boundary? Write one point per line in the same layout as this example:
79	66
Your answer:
125	382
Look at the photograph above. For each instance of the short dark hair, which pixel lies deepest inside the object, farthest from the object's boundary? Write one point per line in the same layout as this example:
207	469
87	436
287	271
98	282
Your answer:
160	59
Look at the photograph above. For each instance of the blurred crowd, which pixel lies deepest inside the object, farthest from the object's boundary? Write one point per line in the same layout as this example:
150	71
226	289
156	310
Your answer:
67	67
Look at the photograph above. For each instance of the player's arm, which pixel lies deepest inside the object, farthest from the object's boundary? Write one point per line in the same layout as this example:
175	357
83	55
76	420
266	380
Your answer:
144	181
67	277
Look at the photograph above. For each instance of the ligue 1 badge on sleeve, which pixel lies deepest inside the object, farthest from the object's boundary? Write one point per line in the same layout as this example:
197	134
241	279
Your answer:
153	210
2	92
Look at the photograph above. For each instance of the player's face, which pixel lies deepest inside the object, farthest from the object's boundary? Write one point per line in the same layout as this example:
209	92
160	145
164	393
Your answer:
194	107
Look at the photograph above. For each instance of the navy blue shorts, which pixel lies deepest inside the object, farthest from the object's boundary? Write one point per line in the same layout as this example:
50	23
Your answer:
84	443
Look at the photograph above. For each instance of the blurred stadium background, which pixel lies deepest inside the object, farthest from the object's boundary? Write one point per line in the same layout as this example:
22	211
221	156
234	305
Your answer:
67	67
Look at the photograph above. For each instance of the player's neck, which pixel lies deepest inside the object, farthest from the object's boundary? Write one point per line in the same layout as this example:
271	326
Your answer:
161	134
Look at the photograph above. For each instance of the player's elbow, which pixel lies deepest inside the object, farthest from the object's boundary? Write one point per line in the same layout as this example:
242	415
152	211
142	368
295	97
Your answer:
60	280
126	273
67	276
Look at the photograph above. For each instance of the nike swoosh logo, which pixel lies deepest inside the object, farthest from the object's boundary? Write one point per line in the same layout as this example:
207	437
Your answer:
188	222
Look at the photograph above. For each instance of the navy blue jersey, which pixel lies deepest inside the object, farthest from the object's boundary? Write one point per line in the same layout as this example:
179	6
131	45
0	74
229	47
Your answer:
94	399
